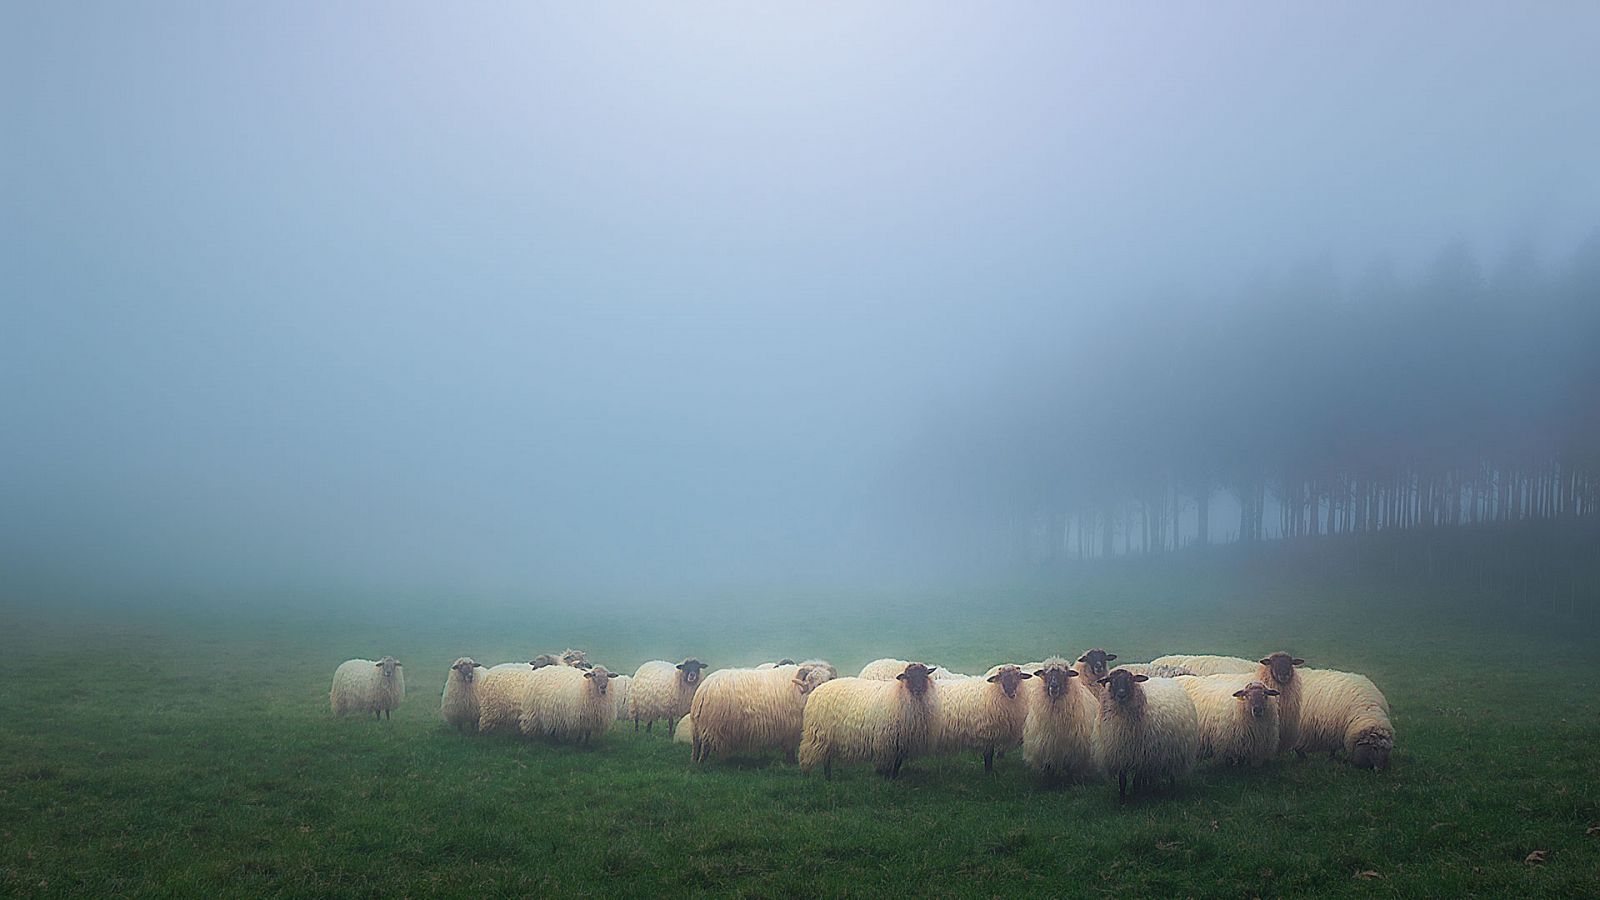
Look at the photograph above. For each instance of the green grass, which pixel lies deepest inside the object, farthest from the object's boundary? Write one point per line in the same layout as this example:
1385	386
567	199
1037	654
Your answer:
169	753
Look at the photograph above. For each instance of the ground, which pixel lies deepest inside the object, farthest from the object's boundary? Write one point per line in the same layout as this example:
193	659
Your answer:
165	751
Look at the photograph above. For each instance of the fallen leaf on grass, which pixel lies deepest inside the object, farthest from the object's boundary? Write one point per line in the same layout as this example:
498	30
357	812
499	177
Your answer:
1367	873
1536	857
1168	845
1438	825
1592	829
1214	825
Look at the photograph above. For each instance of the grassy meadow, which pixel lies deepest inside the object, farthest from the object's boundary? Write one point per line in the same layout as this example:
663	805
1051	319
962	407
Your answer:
188	753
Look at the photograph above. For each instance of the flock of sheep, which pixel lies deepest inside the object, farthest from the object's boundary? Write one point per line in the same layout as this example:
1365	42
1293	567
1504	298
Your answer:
1083	720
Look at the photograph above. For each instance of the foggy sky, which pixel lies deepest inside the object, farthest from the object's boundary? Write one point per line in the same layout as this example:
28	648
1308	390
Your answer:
496	299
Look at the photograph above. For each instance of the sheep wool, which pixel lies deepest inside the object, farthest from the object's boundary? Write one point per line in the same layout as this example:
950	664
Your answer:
1208	665
748	711
361	686
684	733
566	703
1058	732
1238	717
499	696
1343	710
621	687
1158	670
890	669
459	704
861	720
983	714
1148	729
663	690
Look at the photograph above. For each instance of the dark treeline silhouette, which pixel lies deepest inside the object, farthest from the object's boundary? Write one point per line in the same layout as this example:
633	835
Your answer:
1302	405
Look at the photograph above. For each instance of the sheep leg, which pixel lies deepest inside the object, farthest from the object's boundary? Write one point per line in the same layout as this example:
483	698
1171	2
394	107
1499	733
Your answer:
1299	754
635	723
1122	786
988	760
649	725
894	771
672	726
791	756
827	768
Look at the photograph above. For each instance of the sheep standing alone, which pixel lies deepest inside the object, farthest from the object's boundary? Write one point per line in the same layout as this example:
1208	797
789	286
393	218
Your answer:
1345	710
1058	733
566	703
983	714
459	704
499	696
662	690
364	685
1148	728
881	722
1238	717
743	711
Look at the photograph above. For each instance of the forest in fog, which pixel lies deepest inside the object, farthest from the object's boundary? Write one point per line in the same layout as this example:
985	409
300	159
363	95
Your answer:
1303	404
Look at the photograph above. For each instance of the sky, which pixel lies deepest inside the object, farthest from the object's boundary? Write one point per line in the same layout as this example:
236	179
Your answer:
510	300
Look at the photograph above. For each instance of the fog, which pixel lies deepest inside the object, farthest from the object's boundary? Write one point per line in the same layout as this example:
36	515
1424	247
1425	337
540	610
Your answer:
507	302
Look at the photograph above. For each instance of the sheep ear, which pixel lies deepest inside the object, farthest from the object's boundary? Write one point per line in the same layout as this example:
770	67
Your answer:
1110	657
993	678
1297	662
1239	694
1272	693
679	666
1071	673
900	677
1026	675
1040	672
479	665
1083	658
610	674
1105	680
588	674
377	665
1141	678
1266	661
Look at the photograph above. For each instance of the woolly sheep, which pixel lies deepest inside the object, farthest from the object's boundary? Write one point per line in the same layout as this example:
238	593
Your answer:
1093	666
684	733
361	686
499	696
1148	729
566	703
621	687
459	704
1208	665
862	720
891	669
1238	717
1344	710
983	714
546	659
663	690
1275	671
747	711
1058	732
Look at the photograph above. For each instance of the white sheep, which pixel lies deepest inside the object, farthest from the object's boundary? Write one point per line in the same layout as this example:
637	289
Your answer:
1208	665
361	686
1276	671
663	690
891	669
566	703
747	711
500	696
1344	710
983	714
1238	717
1058	733
684	733
621	687
1148	729
861	720
459	704
1093	666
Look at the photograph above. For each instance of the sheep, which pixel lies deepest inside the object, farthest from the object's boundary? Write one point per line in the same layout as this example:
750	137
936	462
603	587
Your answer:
364	685
684	733
499	693
1093	666
822	665
566	703
620	689
1344	710
891	669
1148	728
881	722
1058	732
546	659
577	659
459	704
662	690
1238	718
984	714
1026	667
1208	665
746	711
1158	670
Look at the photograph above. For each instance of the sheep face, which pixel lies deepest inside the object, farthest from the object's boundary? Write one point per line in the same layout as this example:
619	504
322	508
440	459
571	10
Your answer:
1098	662
1254	695
1371	750
1009	678
691	670
578	659
388	665
810	677
917	678
1055	680
545	659
600	678
1282	666
1121	685
465	667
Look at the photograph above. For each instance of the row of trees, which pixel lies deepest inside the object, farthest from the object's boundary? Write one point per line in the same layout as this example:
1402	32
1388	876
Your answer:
1300	406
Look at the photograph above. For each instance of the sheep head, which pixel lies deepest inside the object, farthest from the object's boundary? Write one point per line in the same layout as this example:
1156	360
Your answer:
465	667
917	678
1097	661
545	659
1281	665
600	678
1122	685
1254	695
1009	678
578	659
810	677
1056	676
387	665
691	670
1372	747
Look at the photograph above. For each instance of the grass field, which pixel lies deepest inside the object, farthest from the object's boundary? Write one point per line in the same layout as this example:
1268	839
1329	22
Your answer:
163	752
